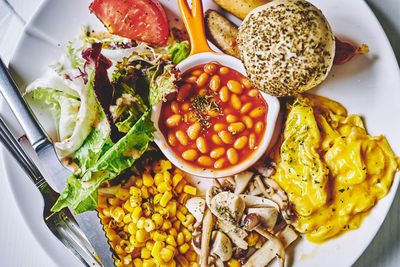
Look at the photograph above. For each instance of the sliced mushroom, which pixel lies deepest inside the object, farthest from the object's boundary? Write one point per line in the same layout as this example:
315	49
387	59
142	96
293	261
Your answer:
268	216
228	184
274	192
252	189
252	222
236	234
222	246
281	198
258	202
196	207
266	167
211	193
242	180
219	263
227	206
208	222
266	253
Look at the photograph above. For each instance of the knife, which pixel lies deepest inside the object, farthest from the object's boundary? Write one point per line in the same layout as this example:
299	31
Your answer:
89	222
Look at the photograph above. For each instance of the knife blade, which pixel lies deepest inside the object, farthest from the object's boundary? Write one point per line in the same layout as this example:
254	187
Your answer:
89	222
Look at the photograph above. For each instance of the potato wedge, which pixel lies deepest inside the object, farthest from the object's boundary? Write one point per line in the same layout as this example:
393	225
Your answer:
221	32
240	8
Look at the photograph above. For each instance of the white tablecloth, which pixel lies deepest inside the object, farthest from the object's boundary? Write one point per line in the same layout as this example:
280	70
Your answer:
18	248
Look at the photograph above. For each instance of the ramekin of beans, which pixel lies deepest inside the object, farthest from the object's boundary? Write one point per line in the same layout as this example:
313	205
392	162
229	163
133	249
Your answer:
217	124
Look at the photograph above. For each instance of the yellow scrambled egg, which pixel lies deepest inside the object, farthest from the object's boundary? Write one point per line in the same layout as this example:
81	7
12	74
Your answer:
331	169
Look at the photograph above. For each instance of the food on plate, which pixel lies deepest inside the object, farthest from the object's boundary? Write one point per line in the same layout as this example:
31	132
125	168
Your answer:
321	179
240	8
245	221
331	169
345	51
139	20
287	47
222	32
145	217
216	119
100	94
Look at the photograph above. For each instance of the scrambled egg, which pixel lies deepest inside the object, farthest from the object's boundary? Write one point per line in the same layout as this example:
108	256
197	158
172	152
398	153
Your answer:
331	169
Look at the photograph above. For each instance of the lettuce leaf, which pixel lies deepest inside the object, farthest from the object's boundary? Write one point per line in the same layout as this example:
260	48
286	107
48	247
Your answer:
128	109
63	107
95	145
161	79
179	51
81	194
71	138
74	56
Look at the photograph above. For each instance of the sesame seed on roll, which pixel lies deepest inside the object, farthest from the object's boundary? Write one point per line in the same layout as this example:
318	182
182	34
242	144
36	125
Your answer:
287	47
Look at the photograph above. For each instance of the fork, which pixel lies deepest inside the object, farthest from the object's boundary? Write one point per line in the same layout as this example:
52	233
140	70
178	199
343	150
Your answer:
62	224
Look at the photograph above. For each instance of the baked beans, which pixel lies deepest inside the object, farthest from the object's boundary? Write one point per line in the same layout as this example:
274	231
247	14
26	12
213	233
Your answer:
216	119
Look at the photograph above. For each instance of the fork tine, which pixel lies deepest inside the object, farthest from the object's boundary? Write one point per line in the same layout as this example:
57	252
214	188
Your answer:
63	224
63	232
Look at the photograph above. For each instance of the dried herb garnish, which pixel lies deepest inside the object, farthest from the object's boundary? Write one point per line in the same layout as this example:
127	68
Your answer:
203	106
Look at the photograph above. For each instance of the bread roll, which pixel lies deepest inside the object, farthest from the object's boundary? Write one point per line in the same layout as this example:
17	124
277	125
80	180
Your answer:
287	47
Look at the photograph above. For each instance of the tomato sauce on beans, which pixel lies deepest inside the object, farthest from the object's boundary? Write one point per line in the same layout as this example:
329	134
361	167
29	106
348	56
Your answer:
216	119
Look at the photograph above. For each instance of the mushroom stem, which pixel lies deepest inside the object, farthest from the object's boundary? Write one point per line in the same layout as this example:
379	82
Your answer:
208	222
252	222
278	243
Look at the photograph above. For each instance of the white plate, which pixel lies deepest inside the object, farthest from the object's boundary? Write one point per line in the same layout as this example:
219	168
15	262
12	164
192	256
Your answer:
368	85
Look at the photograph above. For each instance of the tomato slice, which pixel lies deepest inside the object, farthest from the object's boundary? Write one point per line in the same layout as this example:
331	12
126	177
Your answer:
140	20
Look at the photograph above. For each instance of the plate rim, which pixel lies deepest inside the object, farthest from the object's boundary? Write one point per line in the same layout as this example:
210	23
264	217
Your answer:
5	155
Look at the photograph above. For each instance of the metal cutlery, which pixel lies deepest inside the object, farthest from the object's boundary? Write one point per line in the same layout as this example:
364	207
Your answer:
88	222
62	224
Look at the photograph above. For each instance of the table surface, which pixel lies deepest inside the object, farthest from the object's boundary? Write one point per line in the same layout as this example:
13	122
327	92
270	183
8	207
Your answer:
18	247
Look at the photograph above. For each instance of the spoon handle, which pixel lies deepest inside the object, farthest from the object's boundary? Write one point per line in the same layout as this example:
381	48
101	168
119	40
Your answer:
194	22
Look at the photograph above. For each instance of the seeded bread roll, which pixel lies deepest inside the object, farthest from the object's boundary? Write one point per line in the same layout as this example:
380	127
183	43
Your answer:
287	47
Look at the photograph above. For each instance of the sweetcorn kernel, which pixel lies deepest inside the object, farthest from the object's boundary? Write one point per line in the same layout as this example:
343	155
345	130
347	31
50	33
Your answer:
184	248
180	239
149	225
159	236
158	245
117	214
176	179
142	236
166	254
234	263
148	180
158	220
170	240
145	253
166	225
165	165
158	178
149	263
139	182
165	198
190	190
146	212
138	262
140	223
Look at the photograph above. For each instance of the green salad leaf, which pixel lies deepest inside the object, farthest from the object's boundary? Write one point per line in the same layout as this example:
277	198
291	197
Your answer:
63	107
161	78
81	195
74	56
179	51
128	108
95	145
102	141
